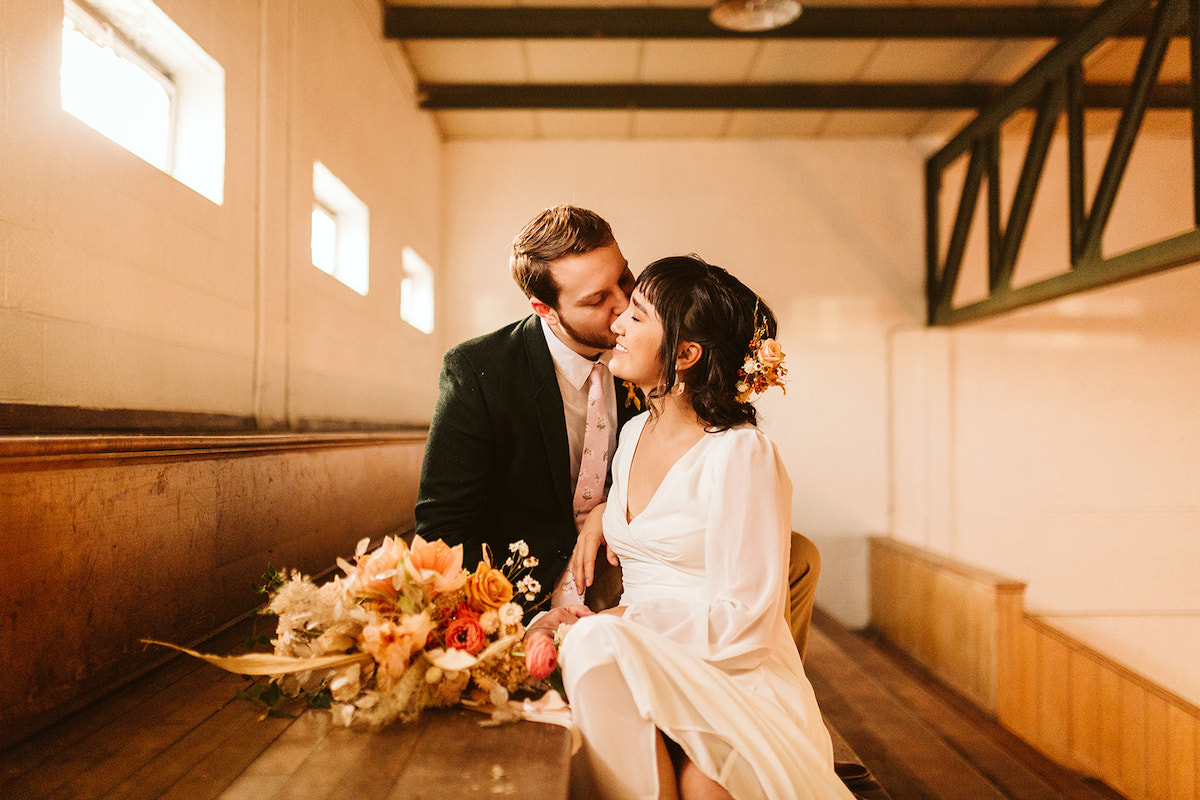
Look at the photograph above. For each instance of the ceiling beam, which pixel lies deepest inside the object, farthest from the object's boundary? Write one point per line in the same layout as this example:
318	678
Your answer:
779	96
655	22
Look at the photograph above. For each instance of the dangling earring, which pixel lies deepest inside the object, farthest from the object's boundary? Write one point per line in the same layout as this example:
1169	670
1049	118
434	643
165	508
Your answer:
678	388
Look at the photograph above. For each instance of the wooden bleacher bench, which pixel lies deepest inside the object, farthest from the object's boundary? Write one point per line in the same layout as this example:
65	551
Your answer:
180	732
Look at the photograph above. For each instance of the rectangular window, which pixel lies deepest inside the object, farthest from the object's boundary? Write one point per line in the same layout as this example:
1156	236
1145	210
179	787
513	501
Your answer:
114	88
416	292
132	74
324	239
340	231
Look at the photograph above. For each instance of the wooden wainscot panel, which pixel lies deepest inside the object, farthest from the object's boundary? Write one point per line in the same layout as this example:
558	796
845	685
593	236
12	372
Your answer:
1110	725
111	539
1085	712
1119	727
1156	747
1064	698
948	616
1054	699
1183	742
1132	779
1027	722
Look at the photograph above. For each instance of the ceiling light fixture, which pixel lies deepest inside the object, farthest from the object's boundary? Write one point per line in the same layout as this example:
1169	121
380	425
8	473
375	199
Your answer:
754	15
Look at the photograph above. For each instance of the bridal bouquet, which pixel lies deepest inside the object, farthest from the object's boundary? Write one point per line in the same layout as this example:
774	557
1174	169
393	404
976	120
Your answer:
405	628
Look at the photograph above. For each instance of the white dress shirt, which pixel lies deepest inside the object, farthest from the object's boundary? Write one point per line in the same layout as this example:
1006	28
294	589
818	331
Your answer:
572	371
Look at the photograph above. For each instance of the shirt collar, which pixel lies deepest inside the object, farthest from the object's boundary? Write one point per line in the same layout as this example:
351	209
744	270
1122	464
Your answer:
572	366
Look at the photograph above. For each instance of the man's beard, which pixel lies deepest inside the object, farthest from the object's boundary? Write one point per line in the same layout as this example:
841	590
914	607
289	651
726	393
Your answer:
587	340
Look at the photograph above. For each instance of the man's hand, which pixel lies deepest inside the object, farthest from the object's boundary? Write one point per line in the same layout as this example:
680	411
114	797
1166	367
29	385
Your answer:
583	557
548	623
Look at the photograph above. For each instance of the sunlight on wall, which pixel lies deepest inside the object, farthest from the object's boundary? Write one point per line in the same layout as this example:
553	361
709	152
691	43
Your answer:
132	74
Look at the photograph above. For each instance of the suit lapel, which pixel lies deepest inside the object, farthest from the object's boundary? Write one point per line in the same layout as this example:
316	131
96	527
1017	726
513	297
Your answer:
547	400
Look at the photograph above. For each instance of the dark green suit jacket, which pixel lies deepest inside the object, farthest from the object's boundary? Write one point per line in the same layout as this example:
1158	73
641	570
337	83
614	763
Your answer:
497	464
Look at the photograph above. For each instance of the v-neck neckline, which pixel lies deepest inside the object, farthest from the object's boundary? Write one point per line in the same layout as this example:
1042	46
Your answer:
666	475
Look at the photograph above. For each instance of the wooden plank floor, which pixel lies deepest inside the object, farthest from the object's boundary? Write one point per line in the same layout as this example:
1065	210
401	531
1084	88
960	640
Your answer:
179	732
919	740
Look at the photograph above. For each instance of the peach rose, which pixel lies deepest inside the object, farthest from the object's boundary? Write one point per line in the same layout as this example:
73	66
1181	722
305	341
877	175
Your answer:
540	657
488	589
770	352
436	565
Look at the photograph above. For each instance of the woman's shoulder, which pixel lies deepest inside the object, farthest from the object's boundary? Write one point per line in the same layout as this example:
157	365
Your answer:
742	438
742	432
746	453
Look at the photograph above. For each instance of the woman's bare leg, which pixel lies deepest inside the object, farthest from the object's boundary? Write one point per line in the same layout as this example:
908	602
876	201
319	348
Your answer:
667	789
695	785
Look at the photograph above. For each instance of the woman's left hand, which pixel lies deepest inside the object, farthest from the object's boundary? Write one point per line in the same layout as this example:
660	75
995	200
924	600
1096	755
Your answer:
548	623
587	545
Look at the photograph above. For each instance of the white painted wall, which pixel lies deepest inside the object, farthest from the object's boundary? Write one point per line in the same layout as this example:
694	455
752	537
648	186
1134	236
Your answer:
122	288
828	232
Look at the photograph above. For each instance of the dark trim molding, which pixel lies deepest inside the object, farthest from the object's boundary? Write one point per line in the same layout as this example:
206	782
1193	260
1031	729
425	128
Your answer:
816	22
792	96
23	419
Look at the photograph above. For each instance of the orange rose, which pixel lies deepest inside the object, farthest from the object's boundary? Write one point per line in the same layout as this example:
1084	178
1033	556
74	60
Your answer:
488	589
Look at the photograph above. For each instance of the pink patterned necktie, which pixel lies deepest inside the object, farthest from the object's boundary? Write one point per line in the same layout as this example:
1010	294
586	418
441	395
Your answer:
593	466
593	469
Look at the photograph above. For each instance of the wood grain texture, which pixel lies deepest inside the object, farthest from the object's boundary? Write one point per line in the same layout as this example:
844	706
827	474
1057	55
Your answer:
166	542
181	734
1077	706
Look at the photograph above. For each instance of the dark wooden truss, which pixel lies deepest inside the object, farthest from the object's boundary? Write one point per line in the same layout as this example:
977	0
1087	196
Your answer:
817	22
1054	86
778	96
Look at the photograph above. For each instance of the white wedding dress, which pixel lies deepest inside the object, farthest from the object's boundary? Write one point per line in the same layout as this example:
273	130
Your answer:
703	651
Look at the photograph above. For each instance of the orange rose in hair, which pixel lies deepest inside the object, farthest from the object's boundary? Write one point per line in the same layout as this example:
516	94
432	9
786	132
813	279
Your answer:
770	352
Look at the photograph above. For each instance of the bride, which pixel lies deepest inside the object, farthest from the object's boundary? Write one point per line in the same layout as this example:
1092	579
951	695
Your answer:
692	687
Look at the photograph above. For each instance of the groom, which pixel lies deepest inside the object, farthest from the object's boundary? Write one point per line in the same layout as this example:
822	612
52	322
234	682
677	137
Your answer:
507	436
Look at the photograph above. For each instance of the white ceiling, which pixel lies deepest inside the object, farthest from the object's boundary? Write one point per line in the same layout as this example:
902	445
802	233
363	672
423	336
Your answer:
756	61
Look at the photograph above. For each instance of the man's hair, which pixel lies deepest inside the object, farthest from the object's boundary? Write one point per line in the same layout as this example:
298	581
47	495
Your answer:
552	234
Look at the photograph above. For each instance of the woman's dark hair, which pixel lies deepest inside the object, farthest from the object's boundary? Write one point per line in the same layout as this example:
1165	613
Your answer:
701	303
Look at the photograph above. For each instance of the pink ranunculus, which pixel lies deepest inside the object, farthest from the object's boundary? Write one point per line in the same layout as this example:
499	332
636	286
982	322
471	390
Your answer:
540	657
437	565
465	633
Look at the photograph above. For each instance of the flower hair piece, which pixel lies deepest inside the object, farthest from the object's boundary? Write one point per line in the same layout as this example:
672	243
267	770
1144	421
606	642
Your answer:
763	366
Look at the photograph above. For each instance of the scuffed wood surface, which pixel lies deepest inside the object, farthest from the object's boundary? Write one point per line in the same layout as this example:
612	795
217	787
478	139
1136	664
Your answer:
181	733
